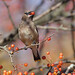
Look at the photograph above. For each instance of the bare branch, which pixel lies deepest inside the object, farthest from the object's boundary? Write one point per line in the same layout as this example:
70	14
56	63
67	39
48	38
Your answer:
55	28
9	14
47	16
69	67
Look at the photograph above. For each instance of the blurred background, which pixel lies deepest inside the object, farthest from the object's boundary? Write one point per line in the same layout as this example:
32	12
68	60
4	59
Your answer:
61	41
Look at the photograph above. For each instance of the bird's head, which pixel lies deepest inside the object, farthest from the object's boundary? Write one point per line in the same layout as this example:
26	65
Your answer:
30	14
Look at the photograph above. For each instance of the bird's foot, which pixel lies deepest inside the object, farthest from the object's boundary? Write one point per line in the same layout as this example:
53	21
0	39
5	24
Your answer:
25	48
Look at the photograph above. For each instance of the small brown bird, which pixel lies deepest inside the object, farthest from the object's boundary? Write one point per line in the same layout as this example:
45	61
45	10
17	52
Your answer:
28	33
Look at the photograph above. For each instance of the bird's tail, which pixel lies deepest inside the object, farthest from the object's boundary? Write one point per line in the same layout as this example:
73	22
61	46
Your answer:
35	54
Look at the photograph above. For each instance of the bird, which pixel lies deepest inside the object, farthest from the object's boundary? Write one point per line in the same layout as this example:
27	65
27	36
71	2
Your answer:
28	33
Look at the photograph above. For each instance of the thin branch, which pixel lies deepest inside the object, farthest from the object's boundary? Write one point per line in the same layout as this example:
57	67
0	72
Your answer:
9	14
5	48
45	17
56	28
61	18
69	67
25	48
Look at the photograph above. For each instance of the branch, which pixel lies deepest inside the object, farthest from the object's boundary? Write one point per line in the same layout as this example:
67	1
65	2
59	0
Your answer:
9	14
69	67
47	16
61	18
56	28
5	48
25	48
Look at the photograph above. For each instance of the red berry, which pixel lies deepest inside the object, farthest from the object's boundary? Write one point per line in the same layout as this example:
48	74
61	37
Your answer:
20	73
26	73
60	62
48	65
73	73
41	69
12	45
49	73
61	54
17	48
60	57
43	57
4	72
25	64
48	53
49	39
32	73
59	66
60	69
52	65
55	68
9	72
69	74
1	66
9	48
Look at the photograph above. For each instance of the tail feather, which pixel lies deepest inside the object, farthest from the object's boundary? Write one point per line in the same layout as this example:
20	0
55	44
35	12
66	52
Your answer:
36	58
35	54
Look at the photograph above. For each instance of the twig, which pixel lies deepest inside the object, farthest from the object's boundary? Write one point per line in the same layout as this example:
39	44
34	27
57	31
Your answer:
4	48
9	14
41	18
61	18
25	48
56	28
69	67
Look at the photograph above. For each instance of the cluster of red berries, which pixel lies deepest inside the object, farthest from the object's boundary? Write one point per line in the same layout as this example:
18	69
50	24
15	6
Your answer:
12	48
25	73
7	72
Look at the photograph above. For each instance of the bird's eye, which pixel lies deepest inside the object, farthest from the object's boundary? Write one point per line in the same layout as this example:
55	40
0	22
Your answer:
32	13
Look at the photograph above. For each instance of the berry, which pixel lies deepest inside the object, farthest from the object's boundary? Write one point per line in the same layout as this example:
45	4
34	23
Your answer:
48	53
73	73
41	69
48	65
61	54
20	73
9	72
60	69
9	48
43	57
32	73
1	66
17	48
52	65
49	73
69	74
59	66
60	57
4	72
25	73
25	64
60	62
56	70
12	45
49	39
